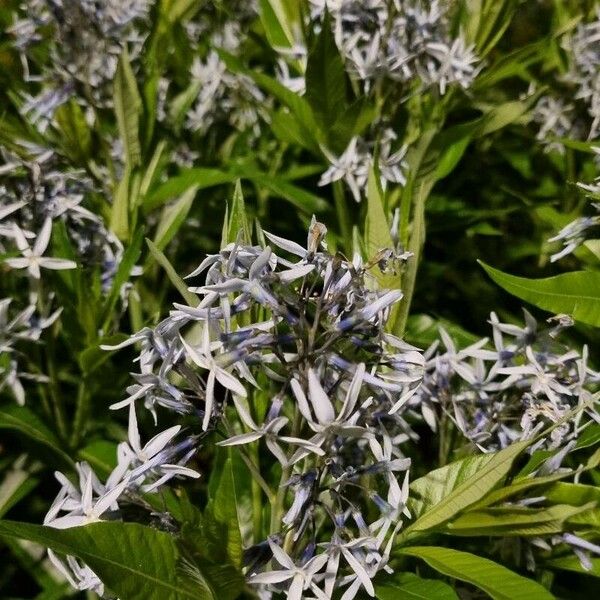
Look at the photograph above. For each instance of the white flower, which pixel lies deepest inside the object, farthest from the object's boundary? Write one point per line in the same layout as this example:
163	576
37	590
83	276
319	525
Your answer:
299	577
351	166
33	258
204	359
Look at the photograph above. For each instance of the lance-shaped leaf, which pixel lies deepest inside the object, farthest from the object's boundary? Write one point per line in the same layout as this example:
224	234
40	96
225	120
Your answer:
498	581
411	587
483	475
128	106
325	77
576	294
133	561
515	521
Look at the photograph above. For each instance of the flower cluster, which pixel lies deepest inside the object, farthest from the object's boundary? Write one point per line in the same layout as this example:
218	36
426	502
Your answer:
386	41
223	96
584	72
140	470
35	195
353	165
290	353
88	39
564	116
556	119
402	41
512	391
575	233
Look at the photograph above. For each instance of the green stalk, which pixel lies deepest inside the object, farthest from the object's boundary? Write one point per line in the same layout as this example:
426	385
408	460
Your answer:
415	245
81	413
343	215
277	507
257	504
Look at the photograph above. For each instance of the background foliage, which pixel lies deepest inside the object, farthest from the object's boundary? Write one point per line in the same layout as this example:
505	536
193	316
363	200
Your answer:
485	181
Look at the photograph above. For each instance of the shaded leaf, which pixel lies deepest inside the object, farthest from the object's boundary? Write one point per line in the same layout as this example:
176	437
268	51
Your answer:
411	587
515	521
174	278
572	563
128	107
325	77
173	217
23	420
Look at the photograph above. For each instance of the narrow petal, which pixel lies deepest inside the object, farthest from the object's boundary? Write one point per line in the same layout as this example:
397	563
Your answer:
56	264
244	438
105	501
132	430
360	571
287	245
209	400
301	399
43	237
271	577
281	557
228	381
160	440
319	400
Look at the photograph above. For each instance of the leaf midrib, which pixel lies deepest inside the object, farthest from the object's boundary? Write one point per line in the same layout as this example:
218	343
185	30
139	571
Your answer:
66	548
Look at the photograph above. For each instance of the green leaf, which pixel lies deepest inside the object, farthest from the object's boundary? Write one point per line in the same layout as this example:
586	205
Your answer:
182	104
350	123
23	420
133	561
407	586
378	234
451	156
130	257
423	330
572	563
128	108
325	77
304	200
498	581
576	293
502	115
237	218
297	105
415	246
276	23
475	478
431	489
151	172
204	178
515	521
173	217
198	177
517	487
75	135
119	214
177	282
224	509
17	483
576	494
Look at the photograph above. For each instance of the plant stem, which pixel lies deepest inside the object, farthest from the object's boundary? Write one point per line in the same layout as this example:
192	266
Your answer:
343	215
257	506
417	239
277	506
81	414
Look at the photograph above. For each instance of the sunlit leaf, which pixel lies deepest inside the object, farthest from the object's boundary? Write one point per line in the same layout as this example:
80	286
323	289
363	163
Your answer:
494	579
576	293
